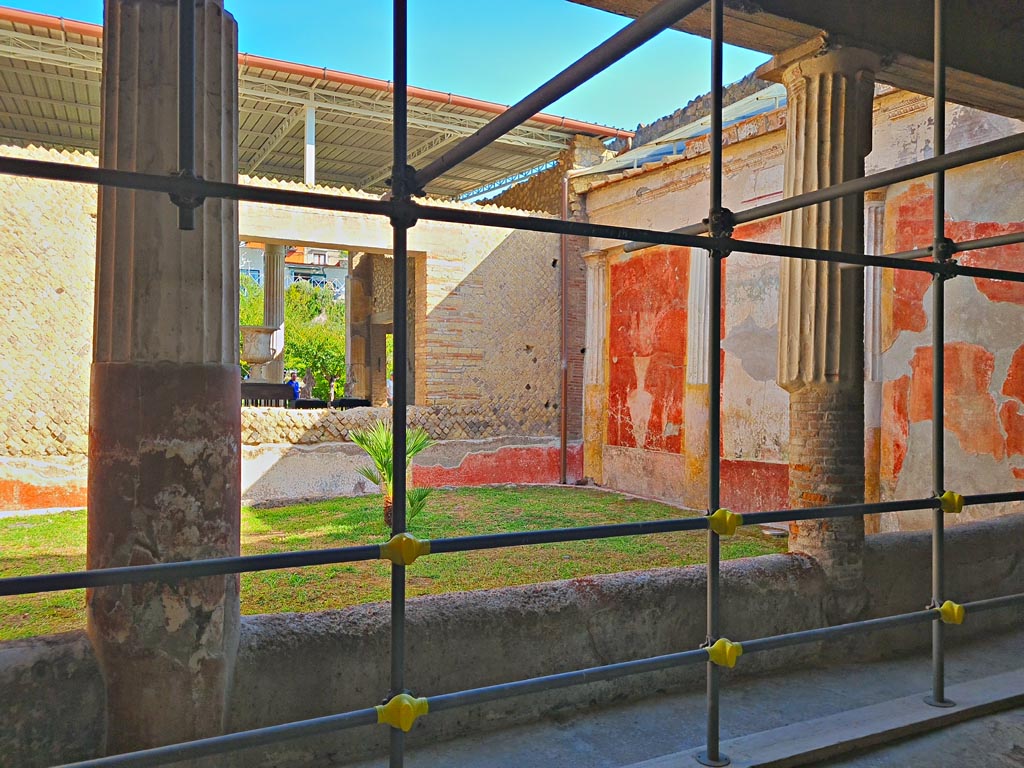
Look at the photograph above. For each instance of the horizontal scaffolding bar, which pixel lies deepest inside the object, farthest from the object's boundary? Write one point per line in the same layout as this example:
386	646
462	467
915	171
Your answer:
565	679
185	187
650	24
840	510
187	569
840	630
967	156
218	745
202	188
993	603
555	535
190	569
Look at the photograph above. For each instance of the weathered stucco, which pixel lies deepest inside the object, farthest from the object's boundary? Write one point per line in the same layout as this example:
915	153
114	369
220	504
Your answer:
985	399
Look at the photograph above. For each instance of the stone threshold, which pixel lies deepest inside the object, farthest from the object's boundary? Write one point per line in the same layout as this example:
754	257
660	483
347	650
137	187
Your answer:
813	741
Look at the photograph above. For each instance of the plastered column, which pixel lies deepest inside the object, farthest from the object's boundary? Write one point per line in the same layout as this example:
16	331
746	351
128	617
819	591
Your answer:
595	366
273	309
164	466
874	236
821	310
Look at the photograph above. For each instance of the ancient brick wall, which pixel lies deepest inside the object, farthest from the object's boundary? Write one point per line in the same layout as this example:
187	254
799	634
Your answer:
543	192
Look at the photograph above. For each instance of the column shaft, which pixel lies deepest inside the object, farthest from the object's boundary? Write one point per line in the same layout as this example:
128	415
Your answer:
164	459
273	309
821	311
595	390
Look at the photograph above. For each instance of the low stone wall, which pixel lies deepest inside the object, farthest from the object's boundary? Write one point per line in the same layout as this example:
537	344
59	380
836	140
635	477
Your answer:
292	455
296	666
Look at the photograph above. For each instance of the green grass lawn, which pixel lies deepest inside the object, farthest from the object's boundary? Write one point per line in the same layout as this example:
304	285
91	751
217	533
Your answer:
48	543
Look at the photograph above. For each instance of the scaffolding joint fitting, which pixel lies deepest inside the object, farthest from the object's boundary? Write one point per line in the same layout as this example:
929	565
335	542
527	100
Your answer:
951	503
720	222
951	613
404	548
724	652
401	711
943	250
723	522
187	202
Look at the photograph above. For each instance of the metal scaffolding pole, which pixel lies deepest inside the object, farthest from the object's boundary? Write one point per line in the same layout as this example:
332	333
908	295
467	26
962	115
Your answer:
400	330
716	221
941	252
186	106
656	20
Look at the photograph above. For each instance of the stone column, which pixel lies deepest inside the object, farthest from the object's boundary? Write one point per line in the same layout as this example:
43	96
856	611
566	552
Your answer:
164	467
273	309
874	237
595	389
821	310
695	436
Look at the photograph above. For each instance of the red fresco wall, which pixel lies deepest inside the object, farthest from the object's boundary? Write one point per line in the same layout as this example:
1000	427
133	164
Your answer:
647	349
981	425
510	464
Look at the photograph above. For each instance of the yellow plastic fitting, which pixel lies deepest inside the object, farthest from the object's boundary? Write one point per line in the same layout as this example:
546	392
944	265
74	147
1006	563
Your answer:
404	548
724	652
951	503
724	523
951	613
401	711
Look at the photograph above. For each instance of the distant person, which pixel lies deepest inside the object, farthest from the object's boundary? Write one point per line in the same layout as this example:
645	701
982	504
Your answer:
391	390
293	382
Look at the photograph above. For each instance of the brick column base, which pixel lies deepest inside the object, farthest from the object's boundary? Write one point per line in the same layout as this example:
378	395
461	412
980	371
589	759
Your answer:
826	466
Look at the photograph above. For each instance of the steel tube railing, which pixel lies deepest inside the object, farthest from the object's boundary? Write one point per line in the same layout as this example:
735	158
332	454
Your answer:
218	745
186	104
961	157
840	630
400	330
711	755
941	255
193	569
656	20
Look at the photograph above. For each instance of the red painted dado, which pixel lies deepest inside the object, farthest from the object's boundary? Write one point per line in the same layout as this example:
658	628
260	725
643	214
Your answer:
970	411
16	495
511	464
754	486
647	349
1012	417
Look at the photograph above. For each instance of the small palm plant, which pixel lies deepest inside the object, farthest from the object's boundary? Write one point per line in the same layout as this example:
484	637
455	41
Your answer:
378	442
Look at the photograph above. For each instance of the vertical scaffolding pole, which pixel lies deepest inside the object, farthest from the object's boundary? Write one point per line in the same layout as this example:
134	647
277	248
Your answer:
941	252
186	105
400	224
712	756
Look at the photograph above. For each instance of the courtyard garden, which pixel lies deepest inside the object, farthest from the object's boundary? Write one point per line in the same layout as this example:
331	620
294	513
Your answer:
56	542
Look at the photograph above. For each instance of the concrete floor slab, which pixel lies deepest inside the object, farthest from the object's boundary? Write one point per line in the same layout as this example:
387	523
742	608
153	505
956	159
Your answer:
667	724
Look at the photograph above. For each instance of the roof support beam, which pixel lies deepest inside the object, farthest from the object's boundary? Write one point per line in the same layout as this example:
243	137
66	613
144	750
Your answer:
287	126
418	152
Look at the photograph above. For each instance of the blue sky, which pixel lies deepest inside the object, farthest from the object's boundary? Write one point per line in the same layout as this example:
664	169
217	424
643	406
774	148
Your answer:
487	49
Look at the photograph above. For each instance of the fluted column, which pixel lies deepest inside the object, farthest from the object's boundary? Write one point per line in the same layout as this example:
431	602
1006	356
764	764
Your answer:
595	363
821	310
695	436
874	237
164	466
273	309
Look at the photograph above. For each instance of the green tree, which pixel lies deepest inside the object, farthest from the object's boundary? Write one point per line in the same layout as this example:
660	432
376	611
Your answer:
317	348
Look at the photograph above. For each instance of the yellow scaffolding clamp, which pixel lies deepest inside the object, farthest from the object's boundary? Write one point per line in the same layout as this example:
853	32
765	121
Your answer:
724	523
724	652
951	613
404	548
401	711
951	503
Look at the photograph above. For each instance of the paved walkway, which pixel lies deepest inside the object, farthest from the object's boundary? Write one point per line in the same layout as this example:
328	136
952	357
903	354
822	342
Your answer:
630	734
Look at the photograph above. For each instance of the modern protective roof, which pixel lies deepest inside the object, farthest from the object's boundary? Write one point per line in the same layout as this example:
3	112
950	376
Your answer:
50	72
673	144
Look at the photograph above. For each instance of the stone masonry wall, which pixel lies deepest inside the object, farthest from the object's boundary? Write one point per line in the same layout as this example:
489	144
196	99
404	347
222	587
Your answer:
47	236
543	192
262	426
